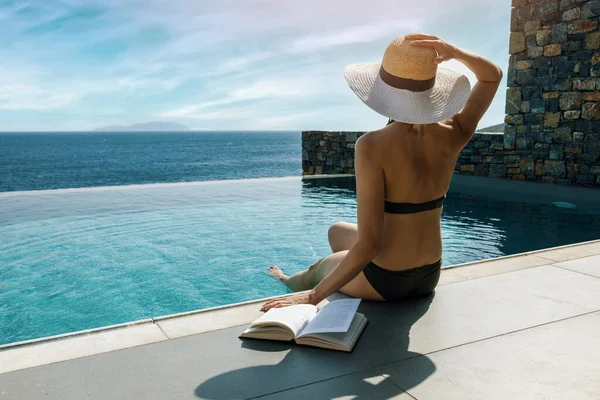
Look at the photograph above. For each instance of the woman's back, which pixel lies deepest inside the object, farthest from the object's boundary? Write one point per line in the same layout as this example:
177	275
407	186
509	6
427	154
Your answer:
417	168
402	172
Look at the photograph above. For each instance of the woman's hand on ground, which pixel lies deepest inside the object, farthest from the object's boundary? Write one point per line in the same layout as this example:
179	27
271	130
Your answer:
299	298
445	51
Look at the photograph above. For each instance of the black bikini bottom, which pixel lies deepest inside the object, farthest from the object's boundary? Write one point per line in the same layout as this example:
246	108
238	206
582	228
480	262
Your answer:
395	285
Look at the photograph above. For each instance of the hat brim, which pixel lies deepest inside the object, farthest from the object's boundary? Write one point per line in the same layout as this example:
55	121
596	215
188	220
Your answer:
445	99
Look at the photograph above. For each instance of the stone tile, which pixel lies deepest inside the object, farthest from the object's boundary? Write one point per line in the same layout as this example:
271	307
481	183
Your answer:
587	265
554	361
450	276
473	310
205	321
567	253
328	176
220	318
593	248
213	365
69	348
361	385
503	265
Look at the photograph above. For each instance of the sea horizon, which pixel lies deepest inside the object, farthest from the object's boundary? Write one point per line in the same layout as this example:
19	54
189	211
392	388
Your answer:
75	159
183	131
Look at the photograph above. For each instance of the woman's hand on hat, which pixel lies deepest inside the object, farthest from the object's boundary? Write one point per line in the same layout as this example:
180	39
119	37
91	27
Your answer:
445	51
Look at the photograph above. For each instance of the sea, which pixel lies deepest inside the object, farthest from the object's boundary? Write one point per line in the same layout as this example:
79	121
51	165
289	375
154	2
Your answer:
56	160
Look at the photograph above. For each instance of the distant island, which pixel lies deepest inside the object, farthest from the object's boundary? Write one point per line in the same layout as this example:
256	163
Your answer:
493	128
145	127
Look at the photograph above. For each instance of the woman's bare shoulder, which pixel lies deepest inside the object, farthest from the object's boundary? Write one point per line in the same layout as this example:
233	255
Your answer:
371	138
367	141
372	143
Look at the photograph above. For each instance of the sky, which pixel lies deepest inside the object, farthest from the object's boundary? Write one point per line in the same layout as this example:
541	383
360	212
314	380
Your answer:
68	65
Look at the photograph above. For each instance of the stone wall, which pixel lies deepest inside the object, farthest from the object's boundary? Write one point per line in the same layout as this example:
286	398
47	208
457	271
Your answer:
333	153
553	95
328	152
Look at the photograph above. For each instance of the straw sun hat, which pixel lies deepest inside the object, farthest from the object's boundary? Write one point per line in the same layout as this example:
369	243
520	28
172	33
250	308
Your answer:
407	86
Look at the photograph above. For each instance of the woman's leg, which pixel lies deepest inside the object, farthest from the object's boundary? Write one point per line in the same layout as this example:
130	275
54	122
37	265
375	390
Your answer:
342	236
358	287
303	280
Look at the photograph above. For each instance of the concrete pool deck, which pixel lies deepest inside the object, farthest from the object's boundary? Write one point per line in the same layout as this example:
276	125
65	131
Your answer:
518	327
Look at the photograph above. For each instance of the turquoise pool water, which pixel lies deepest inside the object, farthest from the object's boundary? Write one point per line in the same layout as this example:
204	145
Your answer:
82	258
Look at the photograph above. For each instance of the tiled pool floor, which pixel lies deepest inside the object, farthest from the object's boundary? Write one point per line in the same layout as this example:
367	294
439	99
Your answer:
519	327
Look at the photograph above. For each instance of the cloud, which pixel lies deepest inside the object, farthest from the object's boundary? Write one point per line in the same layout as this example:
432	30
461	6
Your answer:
29	89
240	62
352	35
291	87
234	114
265	89
19	90
283	120
190	110
25	97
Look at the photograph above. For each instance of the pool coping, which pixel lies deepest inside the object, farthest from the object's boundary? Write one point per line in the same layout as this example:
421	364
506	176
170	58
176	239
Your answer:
169	184
51	349
143	185
505	190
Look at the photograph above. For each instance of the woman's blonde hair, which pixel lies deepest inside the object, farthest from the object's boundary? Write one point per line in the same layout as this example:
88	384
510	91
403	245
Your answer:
420	128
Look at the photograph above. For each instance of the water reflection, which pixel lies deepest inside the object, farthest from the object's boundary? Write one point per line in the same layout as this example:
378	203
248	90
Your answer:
476	227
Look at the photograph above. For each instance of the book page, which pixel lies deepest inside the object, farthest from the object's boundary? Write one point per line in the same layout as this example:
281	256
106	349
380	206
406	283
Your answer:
294	317
344	341
334	317
270	332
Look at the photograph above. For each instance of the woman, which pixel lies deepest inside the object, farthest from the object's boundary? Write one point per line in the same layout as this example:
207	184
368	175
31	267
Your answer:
403	172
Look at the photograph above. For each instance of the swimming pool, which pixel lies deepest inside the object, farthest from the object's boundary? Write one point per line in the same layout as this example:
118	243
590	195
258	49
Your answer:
75	259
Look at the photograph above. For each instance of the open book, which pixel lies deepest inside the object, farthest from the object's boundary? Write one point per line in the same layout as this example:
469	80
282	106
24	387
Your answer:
336	326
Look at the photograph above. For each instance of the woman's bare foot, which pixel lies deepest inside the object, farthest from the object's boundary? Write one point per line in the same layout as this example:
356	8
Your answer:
276	273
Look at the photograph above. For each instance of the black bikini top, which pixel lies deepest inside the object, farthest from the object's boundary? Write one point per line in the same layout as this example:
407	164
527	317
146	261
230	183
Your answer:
412	208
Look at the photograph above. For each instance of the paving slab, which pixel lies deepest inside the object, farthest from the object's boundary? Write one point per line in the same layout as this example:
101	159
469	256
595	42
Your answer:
472	310
592	247
559	360
569	252
212	320
213	365
499	266
83	345
361	385
449	276
587	265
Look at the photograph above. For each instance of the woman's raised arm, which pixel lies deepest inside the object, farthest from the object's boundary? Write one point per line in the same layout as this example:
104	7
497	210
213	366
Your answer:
488	77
